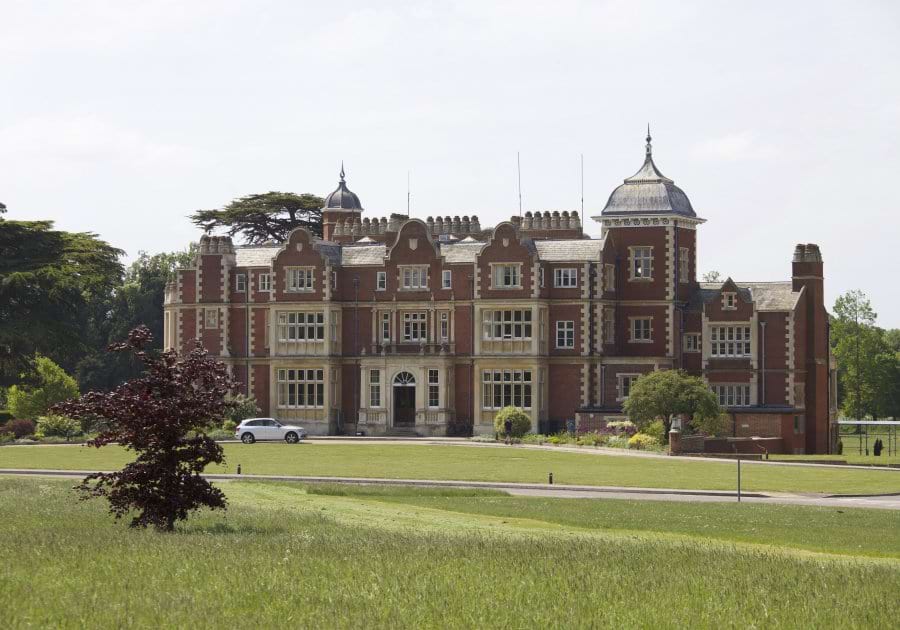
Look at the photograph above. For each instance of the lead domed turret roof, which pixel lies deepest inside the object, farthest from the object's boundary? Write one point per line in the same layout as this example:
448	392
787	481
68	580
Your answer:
342	198
648	192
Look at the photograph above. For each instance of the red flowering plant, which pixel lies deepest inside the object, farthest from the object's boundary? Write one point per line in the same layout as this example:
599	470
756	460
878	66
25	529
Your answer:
163	417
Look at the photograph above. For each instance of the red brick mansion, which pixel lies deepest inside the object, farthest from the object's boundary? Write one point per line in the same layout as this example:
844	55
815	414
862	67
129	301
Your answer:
398	325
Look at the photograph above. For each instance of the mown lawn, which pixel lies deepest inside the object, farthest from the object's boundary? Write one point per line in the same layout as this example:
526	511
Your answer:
470	463
282	556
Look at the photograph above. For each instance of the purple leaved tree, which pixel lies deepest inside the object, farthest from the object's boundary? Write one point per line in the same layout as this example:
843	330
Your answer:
163	418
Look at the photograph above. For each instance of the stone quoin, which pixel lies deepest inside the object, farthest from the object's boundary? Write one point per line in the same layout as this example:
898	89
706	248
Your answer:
398	325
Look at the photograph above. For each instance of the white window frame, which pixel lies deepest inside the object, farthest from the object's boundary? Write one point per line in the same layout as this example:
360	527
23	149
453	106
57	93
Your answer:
641	332
692	342
541	276
565	333
624	382
300	279
240	283
732	394
641	263
730	342
445	325
413	277
265	282
300	384
415	327
729	301
446	279
610	277
334	278
210	318
501	388
381	280
386	327
375	388
609	328
565	278
506	324
434	388
506	276
301	326
684	255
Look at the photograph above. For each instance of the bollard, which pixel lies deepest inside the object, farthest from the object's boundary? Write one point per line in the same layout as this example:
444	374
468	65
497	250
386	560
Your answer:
550	479
239	469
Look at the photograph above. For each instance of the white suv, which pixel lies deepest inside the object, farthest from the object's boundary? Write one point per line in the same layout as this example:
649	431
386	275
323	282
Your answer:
252	429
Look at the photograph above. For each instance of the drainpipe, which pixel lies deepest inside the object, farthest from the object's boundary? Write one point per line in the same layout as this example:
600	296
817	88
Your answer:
247	325
762	362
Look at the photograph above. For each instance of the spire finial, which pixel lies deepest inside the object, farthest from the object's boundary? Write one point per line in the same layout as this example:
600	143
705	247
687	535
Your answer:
649	138
342	171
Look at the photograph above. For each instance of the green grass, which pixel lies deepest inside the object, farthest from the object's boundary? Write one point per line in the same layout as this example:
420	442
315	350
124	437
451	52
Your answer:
282	556
474	463
850	456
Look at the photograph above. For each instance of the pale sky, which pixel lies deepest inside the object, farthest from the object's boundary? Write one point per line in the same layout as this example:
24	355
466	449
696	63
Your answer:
778	119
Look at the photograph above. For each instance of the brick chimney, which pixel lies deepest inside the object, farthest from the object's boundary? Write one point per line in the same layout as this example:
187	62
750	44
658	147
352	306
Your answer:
808	273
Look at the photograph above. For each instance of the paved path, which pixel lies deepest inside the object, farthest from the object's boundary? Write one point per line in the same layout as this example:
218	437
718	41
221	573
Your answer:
888	502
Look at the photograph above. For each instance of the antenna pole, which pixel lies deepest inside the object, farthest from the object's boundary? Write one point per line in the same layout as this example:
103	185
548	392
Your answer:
519	170
582	184
407	194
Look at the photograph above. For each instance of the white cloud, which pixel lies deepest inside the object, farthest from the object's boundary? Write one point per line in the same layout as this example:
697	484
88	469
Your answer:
742	145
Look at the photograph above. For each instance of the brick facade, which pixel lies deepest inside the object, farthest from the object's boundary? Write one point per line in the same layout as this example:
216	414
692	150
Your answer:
404	325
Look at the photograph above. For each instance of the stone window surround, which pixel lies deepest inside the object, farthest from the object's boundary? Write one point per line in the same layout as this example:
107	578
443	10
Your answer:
511	287
620	384
563	275
729	301
415	271
309	273
631	263
567	328
687	345
684	257
381	280
631	328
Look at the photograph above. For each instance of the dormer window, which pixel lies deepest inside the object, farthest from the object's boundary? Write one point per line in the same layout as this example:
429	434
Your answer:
729	301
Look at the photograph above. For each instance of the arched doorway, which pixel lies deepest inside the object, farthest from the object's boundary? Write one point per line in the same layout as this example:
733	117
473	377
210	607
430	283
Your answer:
404	400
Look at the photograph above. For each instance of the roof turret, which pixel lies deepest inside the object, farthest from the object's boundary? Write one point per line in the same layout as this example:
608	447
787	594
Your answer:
342	198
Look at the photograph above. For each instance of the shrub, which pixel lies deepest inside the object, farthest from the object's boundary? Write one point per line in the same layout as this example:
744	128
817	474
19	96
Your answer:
229	425
483	438
643	442
617	441
533	438
840	447
57	426
244	407
53	386
618	427
592	439
19	428
6	437
521	421
657	430
5	416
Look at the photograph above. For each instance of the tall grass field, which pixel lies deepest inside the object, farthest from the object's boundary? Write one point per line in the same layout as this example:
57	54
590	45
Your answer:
292	556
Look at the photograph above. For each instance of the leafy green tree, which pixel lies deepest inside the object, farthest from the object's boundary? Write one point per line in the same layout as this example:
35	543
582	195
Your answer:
52	386
55	287
137	301
664	394
262	217
864	357
241	407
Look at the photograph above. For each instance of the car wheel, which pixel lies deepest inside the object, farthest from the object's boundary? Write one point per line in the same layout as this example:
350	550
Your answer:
291	438
248	438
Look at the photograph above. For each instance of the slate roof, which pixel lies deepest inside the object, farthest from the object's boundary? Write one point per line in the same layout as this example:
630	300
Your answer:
569	250
454	253
767	296
255	256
